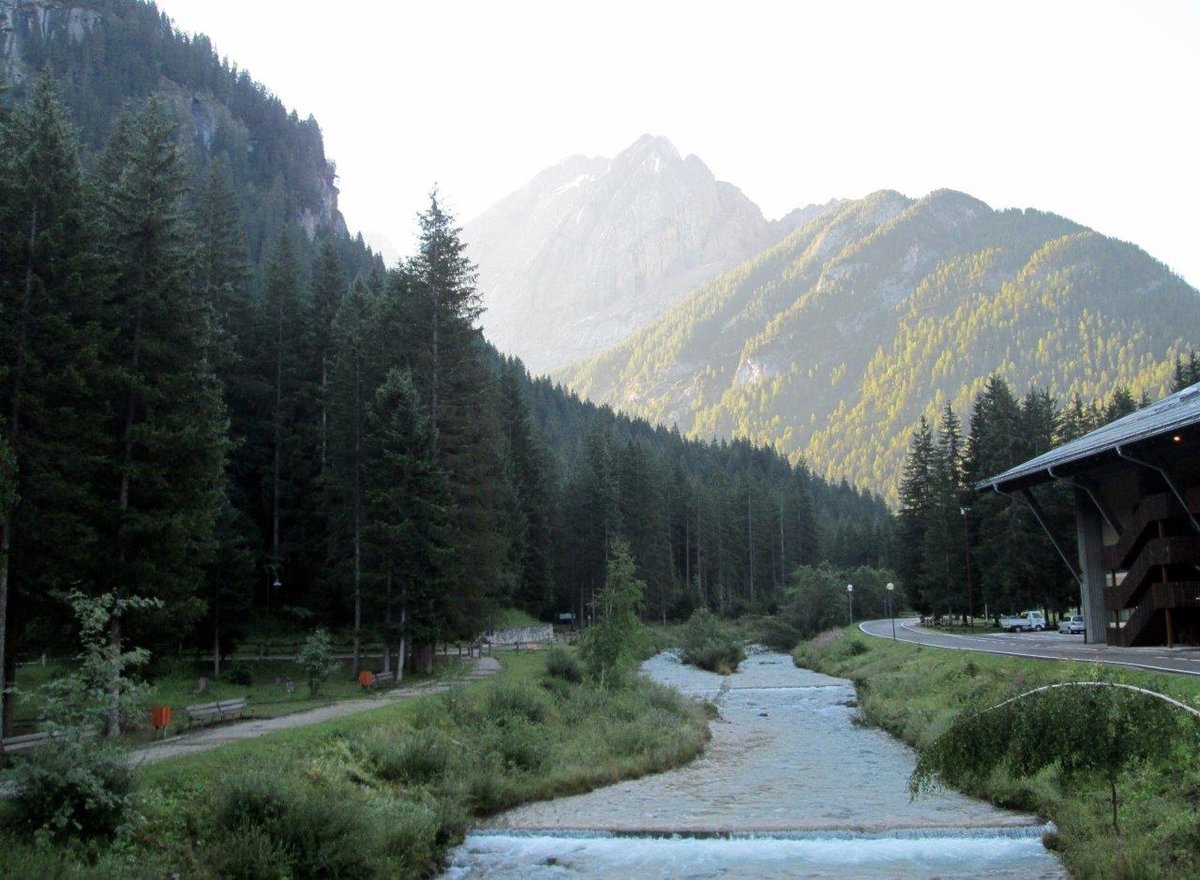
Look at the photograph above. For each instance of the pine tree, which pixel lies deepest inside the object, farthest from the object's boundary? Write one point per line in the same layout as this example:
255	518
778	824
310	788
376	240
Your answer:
531	474
50	281
351	385
447	358
1187	373
944	549
407	509
916	499
287	438
167	429
328	286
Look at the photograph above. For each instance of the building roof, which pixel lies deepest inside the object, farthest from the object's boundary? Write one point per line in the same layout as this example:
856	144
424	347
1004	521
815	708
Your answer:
1162	421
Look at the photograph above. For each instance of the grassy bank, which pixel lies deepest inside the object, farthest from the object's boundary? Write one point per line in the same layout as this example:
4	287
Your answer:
387	792
262	682
915	693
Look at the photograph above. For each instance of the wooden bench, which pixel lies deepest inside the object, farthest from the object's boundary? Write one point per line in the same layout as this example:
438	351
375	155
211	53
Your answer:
378	679
12	744
221	710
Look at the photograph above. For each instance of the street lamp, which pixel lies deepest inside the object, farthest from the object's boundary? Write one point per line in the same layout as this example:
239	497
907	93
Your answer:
891	597
850	597
967	545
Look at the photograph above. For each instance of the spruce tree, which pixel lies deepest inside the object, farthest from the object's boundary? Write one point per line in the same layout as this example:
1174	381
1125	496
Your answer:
408	510
166	431
449	365
50	281
286	436
916	491
944	549
352	383
531	474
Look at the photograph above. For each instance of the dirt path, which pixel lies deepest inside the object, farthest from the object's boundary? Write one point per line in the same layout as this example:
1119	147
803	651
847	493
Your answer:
210	738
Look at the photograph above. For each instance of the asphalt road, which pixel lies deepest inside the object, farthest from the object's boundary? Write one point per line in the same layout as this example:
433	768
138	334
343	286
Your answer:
1044	645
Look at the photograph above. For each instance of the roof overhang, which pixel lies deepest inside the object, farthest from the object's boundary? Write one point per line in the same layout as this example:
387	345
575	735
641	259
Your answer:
1169	427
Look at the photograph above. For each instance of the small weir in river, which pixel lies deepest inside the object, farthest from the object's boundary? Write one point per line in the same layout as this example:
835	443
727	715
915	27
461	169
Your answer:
789	786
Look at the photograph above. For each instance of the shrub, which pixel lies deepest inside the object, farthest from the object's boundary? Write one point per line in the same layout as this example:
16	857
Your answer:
80	785
415	758
609	648
515	700
240	674
564	665
710	644
310	832
316	659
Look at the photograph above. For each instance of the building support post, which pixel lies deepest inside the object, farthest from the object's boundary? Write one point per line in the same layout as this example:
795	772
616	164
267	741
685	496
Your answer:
1089	527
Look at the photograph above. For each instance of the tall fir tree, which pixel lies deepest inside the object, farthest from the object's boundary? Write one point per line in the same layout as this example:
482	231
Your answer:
408	509
167	430
449	364
916	499
49	310
352	380
943	574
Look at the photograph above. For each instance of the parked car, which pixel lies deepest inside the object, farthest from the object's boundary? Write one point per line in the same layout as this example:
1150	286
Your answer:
1031	620
1071	624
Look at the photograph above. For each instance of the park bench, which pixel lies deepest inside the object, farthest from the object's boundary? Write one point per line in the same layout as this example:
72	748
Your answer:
221	710
377	679
12	744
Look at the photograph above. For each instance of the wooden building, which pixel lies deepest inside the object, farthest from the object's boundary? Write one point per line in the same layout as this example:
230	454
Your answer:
1137	514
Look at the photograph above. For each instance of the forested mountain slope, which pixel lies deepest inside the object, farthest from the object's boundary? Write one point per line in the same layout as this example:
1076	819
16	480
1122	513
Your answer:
831	344
112	55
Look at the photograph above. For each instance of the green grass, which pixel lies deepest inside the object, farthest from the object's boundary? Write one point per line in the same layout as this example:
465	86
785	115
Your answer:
385	793
915	692
266	693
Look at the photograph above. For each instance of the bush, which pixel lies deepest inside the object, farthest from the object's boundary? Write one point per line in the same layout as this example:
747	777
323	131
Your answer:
316	659
564	665
708	643
240	674
416	758
515	700
308	832
79	785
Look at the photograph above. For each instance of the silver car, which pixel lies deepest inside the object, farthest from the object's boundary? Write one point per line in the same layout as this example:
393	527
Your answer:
1072	624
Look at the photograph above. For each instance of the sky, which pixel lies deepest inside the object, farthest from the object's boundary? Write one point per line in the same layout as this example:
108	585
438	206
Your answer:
1086	109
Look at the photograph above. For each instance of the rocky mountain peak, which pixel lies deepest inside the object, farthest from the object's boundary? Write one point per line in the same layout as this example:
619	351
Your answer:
592	249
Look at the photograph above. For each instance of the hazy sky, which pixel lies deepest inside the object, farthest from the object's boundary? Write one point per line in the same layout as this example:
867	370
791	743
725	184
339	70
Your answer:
1087	109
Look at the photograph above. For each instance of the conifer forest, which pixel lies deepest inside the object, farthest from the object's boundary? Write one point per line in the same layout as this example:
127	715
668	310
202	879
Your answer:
215	398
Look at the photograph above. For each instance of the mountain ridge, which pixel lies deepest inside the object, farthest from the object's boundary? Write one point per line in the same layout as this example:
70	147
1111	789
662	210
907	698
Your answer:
886	308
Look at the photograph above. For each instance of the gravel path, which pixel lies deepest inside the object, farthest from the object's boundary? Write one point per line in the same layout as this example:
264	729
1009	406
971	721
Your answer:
210	738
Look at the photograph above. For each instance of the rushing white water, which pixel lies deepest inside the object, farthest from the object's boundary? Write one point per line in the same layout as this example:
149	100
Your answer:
788	787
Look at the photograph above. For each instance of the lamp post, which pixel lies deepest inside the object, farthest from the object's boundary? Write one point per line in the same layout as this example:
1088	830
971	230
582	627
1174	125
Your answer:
967	547
891	597
850	597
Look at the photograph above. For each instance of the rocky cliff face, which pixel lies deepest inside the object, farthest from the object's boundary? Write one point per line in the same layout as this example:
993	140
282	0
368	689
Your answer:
593	249
38	18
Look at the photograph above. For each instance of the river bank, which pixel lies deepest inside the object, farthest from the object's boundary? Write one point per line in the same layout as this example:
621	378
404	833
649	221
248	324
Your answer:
383	793
789	787
914	692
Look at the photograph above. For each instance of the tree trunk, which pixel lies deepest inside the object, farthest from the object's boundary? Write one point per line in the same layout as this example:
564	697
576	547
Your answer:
401	640
5	696
358	517
14	428
8	680
113	727
217	635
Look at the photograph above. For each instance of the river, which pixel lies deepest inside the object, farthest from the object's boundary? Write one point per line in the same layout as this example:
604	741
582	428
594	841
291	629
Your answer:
789	786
